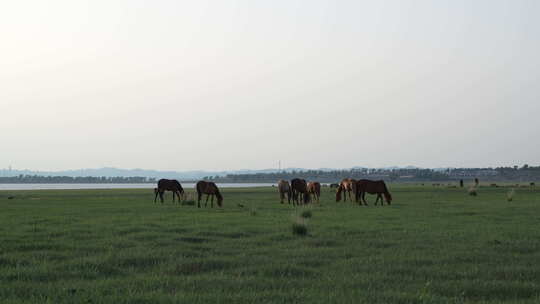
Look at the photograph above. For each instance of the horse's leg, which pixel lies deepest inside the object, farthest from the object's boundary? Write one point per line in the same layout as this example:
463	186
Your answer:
155	197
199	195
364	198
212	200
207	197
173	195
161	195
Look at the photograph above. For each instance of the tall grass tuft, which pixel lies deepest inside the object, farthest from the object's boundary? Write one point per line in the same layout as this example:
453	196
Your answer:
299	228
306	214
510	195
188	200
188	203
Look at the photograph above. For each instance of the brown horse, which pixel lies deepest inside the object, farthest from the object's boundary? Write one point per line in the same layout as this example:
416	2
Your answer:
210	189
168	185
299	187
346	185
284	189
314	188
372	187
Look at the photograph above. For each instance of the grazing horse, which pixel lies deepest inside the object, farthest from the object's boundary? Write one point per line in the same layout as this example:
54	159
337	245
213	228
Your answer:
284	189
299	186
210	189
168	185
346	185
314	188
372	187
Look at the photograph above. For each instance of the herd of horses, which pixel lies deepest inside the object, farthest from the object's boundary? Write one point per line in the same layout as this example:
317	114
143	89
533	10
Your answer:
298	191
202	187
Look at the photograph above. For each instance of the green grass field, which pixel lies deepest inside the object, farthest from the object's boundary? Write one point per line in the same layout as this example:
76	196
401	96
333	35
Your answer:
432	245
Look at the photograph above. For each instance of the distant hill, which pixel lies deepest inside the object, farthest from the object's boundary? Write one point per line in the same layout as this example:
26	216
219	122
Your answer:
181	175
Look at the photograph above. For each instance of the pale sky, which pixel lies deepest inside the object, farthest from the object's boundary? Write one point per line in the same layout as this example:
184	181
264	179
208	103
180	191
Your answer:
218	85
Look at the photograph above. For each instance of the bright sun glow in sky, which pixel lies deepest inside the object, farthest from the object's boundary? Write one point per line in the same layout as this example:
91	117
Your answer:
183	85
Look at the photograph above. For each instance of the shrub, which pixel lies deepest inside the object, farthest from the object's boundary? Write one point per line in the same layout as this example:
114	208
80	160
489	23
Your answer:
188	203
299	228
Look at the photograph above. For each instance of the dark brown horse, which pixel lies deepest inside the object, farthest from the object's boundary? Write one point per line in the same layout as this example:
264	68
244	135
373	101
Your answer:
284	189
346	185
372	187
210	189
299	187
168	185
314	188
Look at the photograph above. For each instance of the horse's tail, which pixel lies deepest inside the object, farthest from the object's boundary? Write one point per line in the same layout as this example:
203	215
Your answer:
356	191
307	197
198	187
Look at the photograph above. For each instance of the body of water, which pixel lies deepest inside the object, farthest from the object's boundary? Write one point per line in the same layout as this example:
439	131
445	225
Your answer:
117	186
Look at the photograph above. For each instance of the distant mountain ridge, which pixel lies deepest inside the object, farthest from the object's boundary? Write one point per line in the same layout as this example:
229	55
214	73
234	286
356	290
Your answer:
182	175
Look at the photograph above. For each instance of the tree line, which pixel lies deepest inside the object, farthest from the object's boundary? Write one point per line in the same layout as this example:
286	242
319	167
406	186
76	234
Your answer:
524	173
37	179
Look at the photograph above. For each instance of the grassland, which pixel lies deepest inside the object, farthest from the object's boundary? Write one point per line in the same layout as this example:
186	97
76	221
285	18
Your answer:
433	245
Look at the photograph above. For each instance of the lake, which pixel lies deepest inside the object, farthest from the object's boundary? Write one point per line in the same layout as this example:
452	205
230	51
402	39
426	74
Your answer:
117	186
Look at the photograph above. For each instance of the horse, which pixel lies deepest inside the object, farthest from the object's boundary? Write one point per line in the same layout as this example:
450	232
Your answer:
372	187
284	189
210	189
348	185
314	188
299	186
168	185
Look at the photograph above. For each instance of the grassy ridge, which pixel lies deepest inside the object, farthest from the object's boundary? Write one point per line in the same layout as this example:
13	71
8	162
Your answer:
433	245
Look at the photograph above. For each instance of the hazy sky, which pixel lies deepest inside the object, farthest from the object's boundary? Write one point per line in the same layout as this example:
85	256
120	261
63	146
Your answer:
184	85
